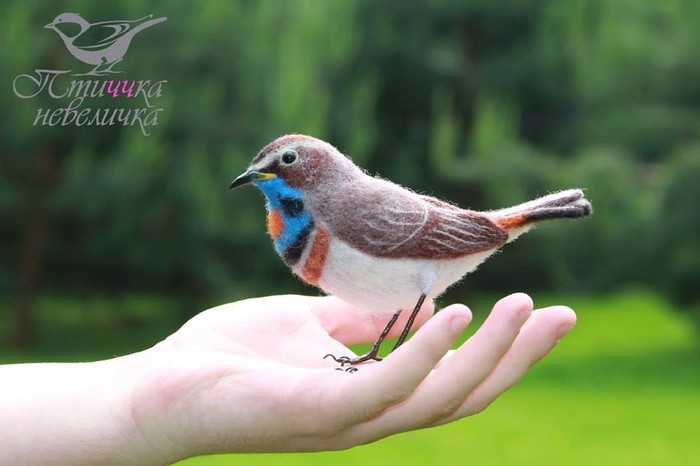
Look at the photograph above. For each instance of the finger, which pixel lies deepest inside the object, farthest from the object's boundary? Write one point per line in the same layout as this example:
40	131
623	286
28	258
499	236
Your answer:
538	337
377	386
352	325
446	388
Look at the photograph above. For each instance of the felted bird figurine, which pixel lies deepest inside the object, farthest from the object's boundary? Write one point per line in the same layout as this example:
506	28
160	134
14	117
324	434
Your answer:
100	44
373	243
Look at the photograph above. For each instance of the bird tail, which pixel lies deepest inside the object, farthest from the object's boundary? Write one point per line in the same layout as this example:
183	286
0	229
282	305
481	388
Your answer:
148	21
564	204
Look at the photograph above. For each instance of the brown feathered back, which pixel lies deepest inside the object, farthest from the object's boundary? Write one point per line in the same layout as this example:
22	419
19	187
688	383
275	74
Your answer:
386	220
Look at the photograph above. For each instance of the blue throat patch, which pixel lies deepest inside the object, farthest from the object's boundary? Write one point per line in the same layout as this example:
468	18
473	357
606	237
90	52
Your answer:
298	222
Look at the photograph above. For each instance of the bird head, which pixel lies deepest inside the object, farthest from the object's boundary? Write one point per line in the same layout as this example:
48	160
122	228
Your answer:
301	162
65	24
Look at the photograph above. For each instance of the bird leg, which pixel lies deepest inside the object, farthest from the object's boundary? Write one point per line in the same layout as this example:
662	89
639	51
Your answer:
92	72
96	71
409	323
109	68
374	352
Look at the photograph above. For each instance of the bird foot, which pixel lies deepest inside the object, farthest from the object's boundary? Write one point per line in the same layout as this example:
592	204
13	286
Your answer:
349	370
345	360
90	73
99	72
111	71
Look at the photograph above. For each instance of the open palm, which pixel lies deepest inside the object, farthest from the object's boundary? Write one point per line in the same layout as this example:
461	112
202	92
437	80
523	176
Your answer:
250	376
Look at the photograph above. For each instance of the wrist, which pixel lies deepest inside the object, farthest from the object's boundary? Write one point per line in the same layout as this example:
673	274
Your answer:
142	432
73	413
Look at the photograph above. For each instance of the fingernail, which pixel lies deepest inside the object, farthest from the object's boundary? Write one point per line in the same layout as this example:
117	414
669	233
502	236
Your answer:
563	330
458	325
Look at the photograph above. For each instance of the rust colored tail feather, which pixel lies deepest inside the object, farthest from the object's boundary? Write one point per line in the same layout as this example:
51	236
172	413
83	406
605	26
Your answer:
564	204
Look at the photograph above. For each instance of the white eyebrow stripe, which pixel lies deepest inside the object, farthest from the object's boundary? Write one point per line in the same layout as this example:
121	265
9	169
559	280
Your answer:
264	162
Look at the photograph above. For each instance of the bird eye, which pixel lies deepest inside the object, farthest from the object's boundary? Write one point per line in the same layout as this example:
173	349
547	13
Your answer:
289	157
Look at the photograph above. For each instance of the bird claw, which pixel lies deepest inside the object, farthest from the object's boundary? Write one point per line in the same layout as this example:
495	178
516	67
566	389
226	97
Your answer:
349	370
343	360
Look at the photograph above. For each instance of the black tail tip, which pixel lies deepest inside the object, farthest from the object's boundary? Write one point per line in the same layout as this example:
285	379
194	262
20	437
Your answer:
586	208
581	208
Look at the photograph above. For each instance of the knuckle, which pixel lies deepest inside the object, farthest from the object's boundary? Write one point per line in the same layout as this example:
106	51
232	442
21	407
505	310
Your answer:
443	412
394	396
452	406
476	407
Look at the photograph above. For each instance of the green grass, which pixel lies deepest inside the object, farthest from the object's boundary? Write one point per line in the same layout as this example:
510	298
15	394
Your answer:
89	327
622	389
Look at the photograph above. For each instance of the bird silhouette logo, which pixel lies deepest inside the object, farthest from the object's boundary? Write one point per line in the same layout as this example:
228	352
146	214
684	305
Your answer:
102	44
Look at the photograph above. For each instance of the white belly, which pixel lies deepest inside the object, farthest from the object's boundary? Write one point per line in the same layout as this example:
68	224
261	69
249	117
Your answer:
382	285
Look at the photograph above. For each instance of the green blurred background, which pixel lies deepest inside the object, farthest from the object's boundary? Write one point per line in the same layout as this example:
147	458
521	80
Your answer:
112	239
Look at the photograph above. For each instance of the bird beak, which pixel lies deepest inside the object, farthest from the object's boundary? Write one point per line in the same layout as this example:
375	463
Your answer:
249	177
49	26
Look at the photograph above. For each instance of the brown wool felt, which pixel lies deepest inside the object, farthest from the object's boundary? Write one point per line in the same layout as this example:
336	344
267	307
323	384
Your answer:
379	245
512	222
317	257
386	220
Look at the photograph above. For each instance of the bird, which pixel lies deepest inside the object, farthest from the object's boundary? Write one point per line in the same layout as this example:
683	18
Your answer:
100	44
374	243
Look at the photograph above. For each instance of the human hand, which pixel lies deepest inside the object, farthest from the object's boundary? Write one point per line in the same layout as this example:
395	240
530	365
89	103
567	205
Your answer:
250	376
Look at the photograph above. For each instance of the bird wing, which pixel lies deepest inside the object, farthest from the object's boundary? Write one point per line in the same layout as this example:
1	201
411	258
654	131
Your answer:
386	220
101	35
438	203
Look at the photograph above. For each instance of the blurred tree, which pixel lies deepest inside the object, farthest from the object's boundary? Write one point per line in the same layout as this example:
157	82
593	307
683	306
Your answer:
487	104
676	226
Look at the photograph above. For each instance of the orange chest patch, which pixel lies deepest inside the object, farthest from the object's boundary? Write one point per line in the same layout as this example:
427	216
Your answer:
313	268
275	223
